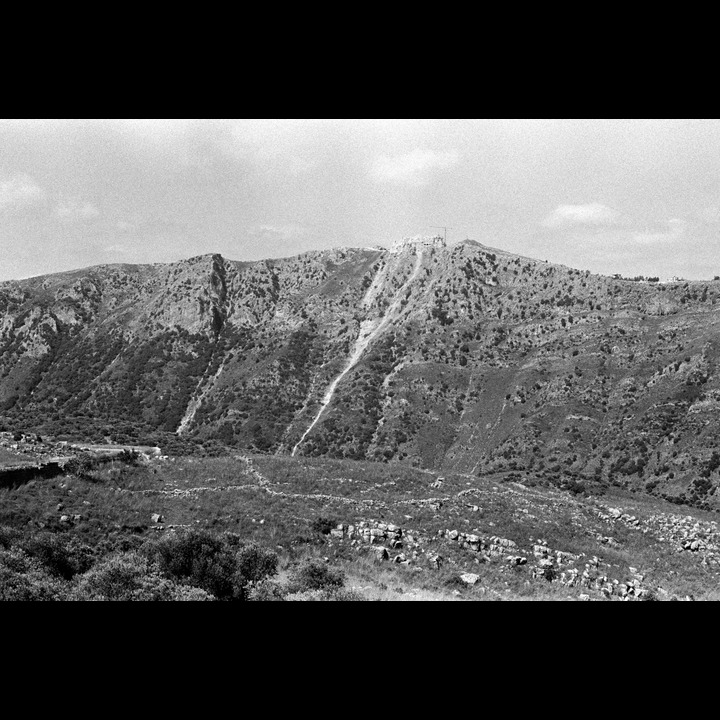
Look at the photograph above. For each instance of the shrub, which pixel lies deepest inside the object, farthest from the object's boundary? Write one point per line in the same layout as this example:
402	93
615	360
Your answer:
130	576
254	564
82	465
223	566
61	557
22	578
266	591
314	574
8	537
197	558
129	457
323	525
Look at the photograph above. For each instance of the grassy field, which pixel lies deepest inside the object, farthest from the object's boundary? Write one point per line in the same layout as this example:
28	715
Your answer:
8	458
400	526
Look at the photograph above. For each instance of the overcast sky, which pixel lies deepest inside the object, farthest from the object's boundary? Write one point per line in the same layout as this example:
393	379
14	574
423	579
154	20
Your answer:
611	196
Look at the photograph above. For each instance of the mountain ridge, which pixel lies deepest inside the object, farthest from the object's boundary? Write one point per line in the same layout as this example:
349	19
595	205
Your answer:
484	361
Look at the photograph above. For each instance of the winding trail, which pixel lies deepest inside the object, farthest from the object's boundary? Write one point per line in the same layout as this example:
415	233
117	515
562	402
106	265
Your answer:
369	332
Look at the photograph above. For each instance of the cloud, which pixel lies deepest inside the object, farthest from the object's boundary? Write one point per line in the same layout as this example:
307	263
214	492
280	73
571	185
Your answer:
278	232
413	168
676	231
590	214
19	193
76	211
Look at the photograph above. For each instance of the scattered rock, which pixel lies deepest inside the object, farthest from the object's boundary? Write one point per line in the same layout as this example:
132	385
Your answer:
469	578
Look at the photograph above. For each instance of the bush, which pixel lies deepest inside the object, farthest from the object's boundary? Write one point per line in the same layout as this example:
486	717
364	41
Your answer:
196	558
254	564
323	525
314	574
82	465
61	557
223	566
131	577
8	537
129	457
22	578
266	591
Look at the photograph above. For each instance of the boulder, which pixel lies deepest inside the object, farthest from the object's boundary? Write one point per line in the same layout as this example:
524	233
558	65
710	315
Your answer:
381	553
469	578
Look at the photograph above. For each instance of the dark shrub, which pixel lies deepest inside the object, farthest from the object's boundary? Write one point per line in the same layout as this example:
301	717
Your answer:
82	465
254	564
197	558
267	591
314	574
8	537
131	577
323	525
61	557
224	566
129	457
22	578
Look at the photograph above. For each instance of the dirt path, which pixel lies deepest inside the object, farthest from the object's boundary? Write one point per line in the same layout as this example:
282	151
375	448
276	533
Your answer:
196	401
369	332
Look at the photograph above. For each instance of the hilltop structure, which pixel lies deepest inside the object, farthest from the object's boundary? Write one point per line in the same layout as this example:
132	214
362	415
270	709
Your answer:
436	241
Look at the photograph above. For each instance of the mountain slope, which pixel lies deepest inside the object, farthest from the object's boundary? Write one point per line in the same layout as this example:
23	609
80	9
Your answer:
462	358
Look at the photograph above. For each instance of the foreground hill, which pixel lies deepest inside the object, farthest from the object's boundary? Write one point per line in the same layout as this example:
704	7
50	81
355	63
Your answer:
459	359
259	527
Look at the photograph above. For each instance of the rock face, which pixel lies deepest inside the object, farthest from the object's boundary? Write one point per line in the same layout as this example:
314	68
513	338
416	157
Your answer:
459	358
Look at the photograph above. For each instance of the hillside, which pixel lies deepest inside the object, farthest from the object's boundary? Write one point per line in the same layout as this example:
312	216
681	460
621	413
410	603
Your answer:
259	527
461	359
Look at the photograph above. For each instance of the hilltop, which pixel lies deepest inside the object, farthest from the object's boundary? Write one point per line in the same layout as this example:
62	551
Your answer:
462	359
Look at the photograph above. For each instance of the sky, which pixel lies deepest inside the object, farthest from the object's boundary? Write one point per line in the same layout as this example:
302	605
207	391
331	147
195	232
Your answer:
635	197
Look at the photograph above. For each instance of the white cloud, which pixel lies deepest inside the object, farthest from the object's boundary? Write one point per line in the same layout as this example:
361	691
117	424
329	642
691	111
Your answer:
590	214
76	211
20	192
676	231
413	168
279	232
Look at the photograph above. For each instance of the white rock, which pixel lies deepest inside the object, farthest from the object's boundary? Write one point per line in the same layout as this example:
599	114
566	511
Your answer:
469	578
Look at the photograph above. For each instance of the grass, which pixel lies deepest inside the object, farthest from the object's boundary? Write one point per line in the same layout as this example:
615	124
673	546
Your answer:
13	459
277	502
